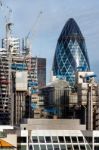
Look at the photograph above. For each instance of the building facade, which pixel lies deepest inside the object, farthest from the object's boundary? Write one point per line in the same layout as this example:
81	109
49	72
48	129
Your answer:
88	97
15	44
38	68
41	65
38	65
27	72
71	54
55	99
60	140
50	134
56	134
6	103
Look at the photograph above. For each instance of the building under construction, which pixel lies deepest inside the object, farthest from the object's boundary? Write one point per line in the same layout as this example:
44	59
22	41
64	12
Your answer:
6	103
19	80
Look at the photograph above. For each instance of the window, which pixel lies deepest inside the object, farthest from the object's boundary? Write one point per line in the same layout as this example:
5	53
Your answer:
36	147
96	147
76	147
80	139
41	139
21	147
88	147
30	147
48	139
88	139
49	147
74	139
43	147
54	139
69	147
35	139
56	147
67	138
61	139
21	139
96	140
62	147
82	147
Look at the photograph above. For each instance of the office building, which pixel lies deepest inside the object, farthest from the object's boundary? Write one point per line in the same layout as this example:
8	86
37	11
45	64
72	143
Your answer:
38	66
56	134
38	74
41	69
88	97
26	82
55	99
71	54
60	140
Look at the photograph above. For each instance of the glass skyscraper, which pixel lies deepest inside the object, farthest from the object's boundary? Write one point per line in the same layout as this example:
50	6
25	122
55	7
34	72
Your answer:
71	54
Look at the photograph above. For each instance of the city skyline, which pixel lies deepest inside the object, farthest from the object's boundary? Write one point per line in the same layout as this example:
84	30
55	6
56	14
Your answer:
58	41
50	24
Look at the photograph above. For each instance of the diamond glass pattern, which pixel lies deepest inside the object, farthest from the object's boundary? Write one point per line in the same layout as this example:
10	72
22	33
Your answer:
71	54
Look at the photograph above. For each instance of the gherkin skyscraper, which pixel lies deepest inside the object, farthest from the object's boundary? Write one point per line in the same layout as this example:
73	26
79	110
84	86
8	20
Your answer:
71	54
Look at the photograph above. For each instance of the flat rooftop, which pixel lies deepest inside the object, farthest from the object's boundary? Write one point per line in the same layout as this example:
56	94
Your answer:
52	124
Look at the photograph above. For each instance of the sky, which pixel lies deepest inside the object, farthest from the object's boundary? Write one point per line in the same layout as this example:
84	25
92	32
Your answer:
45	31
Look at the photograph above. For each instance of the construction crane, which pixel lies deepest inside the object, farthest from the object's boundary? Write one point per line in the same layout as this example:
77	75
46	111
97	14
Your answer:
28	59
26	47
7	8
34	25
26	44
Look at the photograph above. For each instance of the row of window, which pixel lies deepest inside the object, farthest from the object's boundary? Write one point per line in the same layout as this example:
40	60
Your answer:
59	139
57	147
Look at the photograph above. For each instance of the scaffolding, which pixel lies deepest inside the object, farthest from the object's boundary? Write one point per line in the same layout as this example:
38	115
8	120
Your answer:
12	61
6	94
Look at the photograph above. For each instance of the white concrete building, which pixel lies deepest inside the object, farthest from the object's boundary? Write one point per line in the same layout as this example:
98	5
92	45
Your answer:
56	134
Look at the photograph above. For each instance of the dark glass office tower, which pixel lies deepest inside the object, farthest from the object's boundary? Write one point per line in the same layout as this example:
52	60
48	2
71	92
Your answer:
71	54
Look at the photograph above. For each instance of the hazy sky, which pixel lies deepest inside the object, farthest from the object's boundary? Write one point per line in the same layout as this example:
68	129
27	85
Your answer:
47	30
